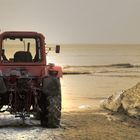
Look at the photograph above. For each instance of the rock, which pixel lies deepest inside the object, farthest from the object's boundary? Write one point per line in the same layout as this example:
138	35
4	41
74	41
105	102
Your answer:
113	102
131	101
127	101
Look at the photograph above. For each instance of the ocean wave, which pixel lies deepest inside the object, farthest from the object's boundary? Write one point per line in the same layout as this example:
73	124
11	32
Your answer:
129	76
119	65
92	69
76	73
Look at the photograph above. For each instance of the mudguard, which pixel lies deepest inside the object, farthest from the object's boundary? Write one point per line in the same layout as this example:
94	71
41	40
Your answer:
52	67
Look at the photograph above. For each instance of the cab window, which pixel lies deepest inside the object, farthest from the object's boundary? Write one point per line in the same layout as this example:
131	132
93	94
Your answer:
21	50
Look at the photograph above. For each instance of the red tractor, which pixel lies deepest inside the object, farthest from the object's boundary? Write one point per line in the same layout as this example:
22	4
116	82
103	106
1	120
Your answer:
27	84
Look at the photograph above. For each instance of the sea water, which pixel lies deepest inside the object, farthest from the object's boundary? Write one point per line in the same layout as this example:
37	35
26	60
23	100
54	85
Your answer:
97	54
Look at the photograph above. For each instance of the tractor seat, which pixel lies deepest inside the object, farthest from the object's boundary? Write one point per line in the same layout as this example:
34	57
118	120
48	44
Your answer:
22	56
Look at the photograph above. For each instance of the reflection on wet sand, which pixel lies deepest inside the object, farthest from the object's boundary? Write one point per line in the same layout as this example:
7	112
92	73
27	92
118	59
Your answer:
88	90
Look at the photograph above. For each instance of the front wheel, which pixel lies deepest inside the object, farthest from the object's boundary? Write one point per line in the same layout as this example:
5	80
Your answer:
51	103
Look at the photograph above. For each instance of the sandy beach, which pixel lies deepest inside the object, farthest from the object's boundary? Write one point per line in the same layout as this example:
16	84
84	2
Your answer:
81	125
86	120
100	125
82	116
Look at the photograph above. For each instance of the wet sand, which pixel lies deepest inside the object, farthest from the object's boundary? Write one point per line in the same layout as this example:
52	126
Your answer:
86	91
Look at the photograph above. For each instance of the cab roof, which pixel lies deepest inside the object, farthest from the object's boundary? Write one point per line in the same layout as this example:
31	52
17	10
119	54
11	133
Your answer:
20	34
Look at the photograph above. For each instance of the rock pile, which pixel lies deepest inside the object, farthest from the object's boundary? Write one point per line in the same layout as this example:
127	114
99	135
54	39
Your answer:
127	101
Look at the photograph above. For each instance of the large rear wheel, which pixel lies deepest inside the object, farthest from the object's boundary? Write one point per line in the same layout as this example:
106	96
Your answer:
51	103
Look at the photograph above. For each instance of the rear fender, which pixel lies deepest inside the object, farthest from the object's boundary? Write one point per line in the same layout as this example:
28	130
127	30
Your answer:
54	68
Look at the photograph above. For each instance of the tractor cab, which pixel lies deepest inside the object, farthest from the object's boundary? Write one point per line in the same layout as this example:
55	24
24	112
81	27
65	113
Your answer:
22	47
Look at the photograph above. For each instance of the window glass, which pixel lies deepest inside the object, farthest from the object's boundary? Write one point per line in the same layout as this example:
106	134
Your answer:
21	50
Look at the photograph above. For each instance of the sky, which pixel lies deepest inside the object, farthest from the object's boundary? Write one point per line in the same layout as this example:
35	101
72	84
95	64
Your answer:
74	21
